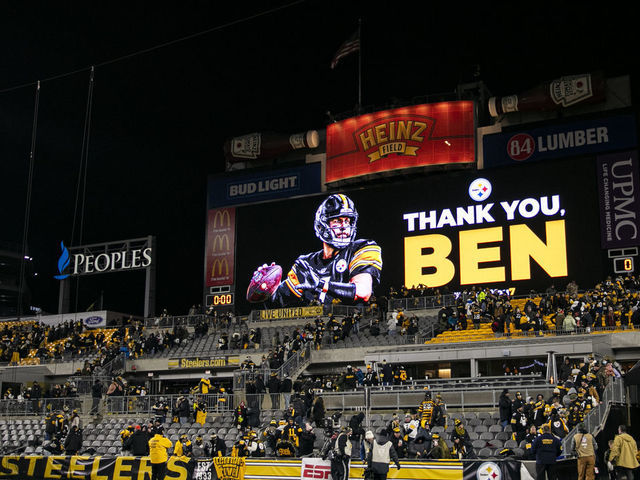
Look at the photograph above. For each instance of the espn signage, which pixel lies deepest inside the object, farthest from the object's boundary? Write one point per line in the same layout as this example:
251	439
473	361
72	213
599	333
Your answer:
579	138
104	258
242	188
220	247
315	469
619	195
414	136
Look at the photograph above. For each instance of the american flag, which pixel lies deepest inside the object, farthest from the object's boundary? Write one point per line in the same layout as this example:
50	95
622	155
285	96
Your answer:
352	44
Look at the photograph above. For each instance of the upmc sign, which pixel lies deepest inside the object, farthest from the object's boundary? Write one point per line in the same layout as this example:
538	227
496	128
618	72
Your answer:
220	247
407	137
619	191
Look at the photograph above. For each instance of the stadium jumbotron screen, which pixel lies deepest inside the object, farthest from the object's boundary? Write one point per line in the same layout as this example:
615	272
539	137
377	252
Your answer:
525	227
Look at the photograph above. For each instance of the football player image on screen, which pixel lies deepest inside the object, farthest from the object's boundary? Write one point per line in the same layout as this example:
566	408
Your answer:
345	268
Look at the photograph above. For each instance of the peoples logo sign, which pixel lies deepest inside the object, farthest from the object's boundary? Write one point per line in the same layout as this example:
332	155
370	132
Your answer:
63	263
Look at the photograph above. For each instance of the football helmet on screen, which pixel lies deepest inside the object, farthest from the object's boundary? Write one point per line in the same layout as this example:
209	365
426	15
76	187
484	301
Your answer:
336	206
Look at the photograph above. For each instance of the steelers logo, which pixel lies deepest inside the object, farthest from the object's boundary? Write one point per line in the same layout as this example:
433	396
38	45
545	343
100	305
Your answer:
480	189
488	471
341	266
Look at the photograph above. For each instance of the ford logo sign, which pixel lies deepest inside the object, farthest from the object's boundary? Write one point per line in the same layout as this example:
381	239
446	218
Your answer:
93	321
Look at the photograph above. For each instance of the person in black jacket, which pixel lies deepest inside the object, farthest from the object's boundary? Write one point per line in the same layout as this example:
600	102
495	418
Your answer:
286	386
307	439
274	391
73	442
138	442
546	448
218	447
355	424
96	395
183	409
341	453
504	404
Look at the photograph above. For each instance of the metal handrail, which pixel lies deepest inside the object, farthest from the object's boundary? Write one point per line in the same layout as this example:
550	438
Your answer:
39	406
594	421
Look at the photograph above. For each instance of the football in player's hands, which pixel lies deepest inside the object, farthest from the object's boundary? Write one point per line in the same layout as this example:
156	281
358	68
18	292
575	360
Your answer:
264	282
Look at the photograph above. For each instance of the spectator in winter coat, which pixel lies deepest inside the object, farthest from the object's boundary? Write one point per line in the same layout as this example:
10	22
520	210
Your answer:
546	449
504	404
380	455
569	323
138	442
73	442
623	454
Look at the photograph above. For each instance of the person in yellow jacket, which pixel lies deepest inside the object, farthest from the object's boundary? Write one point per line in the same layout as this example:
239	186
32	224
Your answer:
183	447
205	385
623	454
158	446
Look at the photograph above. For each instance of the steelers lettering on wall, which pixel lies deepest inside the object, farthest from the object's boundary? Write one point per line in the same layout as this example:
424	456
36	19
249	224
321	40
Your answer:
428	258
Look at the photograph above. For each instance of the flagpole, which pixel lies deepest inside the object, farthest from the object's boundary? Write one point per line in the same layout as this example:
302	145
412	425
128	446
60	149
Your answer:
360	66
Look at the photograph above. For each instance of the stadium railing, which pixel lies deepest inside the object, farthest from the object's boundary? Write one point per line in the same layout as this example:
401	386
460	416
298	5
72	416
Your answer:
614	394
143	405
23	407
291	367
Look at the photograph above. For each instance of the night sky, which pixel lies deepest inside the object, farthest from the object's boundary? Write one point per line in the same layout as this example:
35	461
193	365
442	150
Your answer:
159	118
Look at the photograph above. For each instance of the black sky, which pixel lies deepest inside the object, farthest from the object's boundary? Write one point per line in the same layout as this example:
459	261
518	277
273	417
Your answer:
159	118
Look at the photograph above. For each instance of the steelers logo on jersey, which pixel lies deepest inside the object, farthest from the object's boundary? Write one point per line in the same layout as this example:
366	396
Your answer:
341	266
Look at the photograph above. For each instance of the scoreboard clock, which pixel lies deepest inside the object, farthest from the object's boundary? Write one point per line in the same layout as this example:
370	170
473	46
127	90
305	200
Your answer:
623	259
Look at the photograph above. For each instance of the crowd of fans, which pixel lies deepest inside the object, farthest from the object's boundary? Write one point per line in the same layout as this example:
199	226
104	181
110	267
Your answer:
611	303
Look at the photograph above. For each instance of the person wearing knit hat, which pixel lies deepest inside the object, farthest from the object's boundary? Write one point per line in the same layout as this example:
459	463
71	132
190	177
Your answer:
379	456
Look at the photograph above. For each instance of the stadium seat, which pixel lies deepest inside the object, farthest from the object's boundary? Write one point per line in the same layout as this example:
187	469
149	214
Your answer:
478	443
510	444
485	453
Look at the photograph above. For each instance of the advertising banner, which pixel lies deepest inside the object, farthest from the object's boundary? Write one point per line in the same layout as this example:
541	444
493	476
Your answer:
492	470
241	188
558	141
619	203
89	319
525	228
220	247
89	468
209	362
406	137
315	469
299	312
228	468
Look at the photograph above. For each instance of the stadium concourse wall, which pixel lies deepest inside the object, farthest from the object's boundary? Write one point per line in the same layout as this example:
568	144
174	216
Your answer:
234	468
